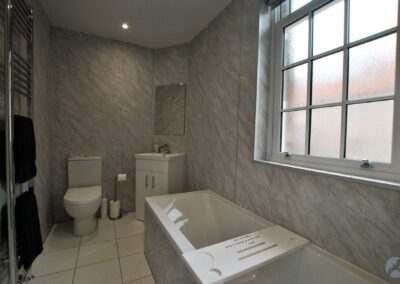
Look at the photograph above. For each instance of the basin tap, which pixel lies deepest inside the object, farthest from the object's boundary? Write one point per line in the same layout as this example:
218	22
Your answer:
164	149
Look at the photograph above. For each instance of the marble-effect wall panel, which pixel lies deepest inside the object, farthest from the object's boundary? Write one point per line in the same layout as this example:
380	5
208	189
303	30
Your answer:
42	104
171	65
165	263
358	223
212	104
102	106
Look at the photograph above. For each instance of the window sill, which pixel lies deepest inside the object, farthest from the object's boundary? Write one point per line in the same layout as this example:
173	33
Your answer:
347	177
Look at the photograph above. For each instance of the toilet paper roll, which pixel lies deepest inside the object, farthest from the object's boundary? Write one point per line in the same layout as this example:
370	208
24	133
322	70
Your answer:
104	203
115	207
121	177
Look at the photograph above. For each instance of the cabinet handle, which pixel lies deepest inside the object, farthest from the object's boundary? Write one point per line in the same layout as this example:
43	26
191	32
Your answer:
146	183
153	182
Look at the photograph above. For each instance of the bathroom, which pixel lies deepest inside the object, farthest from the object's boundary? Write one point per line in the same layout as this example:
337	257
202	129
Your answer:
321	168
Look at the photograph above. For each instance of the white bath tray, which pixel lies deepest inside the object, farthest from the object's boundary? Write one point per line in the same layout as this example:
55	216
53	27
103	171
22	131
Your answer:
227	260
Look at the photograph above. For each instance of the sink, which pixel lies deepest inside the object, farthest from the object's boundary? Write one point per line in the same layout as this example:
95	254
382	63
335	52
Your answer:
160	156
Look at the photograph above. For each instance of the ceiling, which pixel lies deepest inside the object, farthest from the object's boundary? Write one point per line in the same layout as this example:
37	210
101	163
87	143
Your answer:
152	23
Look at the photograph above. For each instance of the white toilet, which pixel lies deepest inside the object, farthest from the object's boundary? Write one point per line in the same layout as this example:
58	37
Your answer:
83	197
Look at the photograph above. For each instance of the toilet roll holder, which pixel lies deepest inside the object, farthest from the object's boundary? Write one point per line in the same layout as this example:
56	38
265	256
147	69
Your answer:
118	178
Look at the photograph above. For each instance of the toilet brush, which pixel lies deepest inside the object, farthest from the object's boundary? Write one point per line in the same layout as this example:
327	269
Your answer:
104	208
115	205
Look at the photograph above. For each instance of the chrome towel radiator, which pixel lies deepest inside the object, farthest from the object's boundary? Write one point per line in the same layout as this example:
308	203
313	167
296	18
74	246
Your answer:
18	100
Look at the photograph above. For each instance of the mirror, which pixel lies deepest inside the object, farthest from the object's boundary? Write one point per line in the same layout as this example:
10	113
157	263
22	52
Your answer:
170	109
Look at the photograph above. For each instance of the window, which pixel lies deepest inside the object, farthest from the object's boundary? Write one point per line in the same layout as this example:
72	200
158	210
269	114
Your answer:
334	87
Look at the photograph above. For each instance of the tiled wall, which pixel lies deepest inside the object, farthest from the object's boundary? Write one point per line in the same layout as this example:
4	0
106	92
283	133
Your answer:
356	222
212	105
43	117
102	105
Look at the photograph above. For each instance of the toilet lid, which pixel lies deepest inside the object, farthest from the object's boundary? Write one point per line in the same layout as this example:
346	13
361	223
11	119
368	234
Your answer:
80	195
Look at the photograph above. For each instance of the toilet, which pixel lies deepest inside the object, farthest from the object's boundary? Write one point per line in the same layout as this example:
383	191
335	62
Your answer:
83	197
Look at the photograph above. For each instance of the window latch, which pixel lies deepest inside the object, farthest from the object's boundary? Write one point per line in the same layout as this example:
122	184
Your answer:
366	164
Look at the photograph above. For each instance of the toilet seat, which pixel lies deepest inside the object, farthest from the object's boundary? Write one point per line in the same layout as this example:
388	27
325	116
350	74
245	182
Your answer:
82	195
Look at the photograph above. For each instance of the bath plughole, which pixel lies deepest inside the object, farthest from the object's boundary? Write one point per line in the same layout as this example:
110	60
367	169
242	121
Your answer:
199	141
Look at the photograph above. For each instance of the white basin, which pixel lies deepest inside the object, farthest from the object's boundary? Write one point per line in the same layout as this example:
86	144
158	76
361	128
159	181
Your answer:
160	156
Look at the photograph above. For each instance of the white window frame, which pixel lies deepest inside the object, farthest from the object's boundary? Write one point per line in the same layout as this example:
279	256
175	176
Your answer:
380	173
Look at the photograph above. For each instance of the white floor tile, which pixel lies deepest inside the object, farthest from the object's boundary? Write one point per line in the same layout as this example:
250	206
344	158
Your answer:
107	272
134	267
105	222
126	217
102	234
61	237
128	226
53	262
130	245
146	280
97	253
64	277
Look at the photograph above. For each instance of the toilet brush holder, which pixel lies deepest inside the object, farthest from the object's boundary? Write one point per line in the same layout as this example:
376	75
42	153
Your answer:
115	205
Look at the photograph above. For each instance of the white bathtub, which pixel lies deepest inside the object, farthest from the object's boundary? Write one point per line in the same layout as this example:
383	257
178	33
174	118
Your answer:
196	220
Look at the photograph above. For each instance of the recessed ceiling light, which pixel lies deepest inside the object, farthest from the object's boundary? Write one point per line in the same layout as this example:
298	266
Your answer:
125	26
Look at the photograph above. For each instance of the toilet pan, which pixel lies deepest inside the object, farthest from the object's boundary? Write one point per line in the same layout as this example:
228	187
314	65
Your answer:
82	203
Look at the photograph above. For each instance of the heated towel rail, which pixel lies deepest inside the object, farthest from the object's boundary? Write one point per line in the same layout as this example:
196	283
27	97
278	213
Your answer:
19	98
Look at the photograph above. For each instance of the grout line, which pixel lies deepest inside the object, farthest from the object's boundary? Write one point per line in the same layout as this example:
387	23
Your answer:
98	262
136	253
134	280
96	243
130	236
119	259
49	274
58	250
77	257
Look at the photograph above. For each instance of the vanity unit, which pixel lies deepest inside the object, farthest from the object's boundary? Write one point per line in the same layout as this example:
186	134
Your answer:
157	174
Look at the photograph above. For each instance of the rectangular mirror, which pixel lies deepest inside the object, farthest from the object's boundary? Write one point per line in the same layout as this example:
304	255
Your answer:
170	109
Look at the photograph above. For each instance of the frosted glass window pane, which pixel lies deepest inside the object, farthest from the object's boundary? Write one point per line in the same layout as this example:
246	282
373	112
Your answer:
369	131
297	4
325	132
368	17
329	27
296	41
372	68
328	79
295	87
293	132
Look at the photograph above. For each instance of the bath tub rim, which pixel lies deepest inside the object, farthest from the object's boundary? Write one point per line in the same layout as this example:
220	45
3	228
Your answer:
178	239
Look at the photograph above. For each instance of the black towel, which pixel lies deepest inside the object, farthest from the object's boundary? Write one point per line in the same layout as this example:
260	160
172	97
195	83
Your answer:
2	154
24	149
29	238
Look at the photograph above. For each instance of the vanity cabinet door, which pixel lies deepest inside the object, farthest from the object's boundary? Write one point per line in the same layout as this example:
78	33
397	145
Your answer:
143	190
159	183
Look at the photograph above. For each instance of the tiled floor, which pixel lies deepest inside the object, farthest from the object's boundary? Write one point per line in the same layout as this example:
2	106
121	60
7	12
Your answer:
112	255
